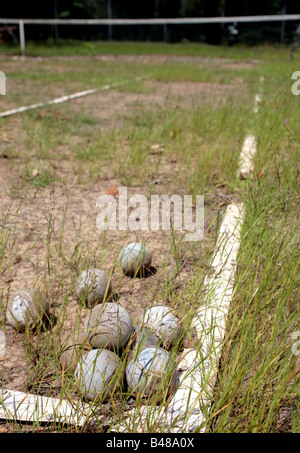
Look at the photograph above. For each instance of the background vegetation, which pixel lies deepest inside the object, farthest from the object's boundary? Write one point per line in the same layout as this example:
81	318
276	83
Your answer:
211	34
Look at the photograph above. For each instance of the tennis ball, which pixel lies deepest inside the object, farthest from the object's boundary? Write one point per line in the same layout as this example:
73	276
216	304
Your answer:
142	338
149	371
26	307
92	287
71	347
97	374
108	326
163	323
135	259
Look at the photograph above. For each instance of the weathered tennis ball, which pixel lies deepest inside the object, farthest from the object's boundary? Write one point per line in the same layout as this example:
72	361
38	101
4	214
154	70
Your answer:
92	287
108	326
135	259
149	371
163	323
98	374
142	338
70	348
26	307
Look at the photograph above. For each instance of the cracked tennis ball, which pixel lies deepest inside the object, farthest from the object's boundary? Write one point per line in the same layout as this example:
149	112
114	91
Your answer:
26	307
92	287
149	371
98	374
108	326
135	259
163	324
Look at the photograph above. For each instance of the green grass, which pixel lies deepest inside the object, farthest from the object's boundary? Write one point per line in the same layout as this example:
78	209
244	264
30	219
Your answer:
67	48
199	146
258	377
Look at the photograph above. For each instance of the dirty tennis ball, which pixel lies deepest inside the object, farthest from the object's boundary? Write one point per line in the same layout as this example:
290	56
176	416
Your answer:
98	374
92	287
108	326
135	259
163	324
142	338
71	347
26	308
149	371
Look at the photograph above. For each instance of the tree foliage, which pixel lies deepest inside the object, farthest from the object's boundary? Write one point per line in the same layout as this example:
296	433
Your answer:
214	33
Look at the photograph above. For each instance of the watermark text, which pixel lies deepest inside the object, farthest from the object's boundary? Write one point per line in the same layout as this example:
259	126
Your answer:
2	84
296	85
137	213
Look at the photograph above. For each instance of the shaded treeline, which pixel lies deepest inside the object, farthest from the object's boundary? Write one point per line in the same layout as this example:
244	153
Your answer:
249	33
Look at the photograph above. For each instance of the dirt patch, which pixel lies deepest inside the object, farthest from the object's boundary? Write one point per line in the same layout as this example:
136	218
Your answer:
161	59
111	106
105	104
40	252
25	91
146	59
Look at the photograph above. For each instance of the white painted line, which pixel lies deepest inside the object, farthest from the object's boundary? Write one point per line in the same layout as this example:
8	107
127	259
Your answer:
28	407
249	149
2	345
66	98
189	407
197	385
257	102
258	97
43	104
246	164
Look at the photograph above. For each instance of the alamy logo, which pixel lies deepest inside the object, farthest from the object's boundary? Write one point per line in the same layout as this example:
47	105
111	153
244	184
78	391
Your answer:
2	84
2	344
296	85
163	212
296	345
